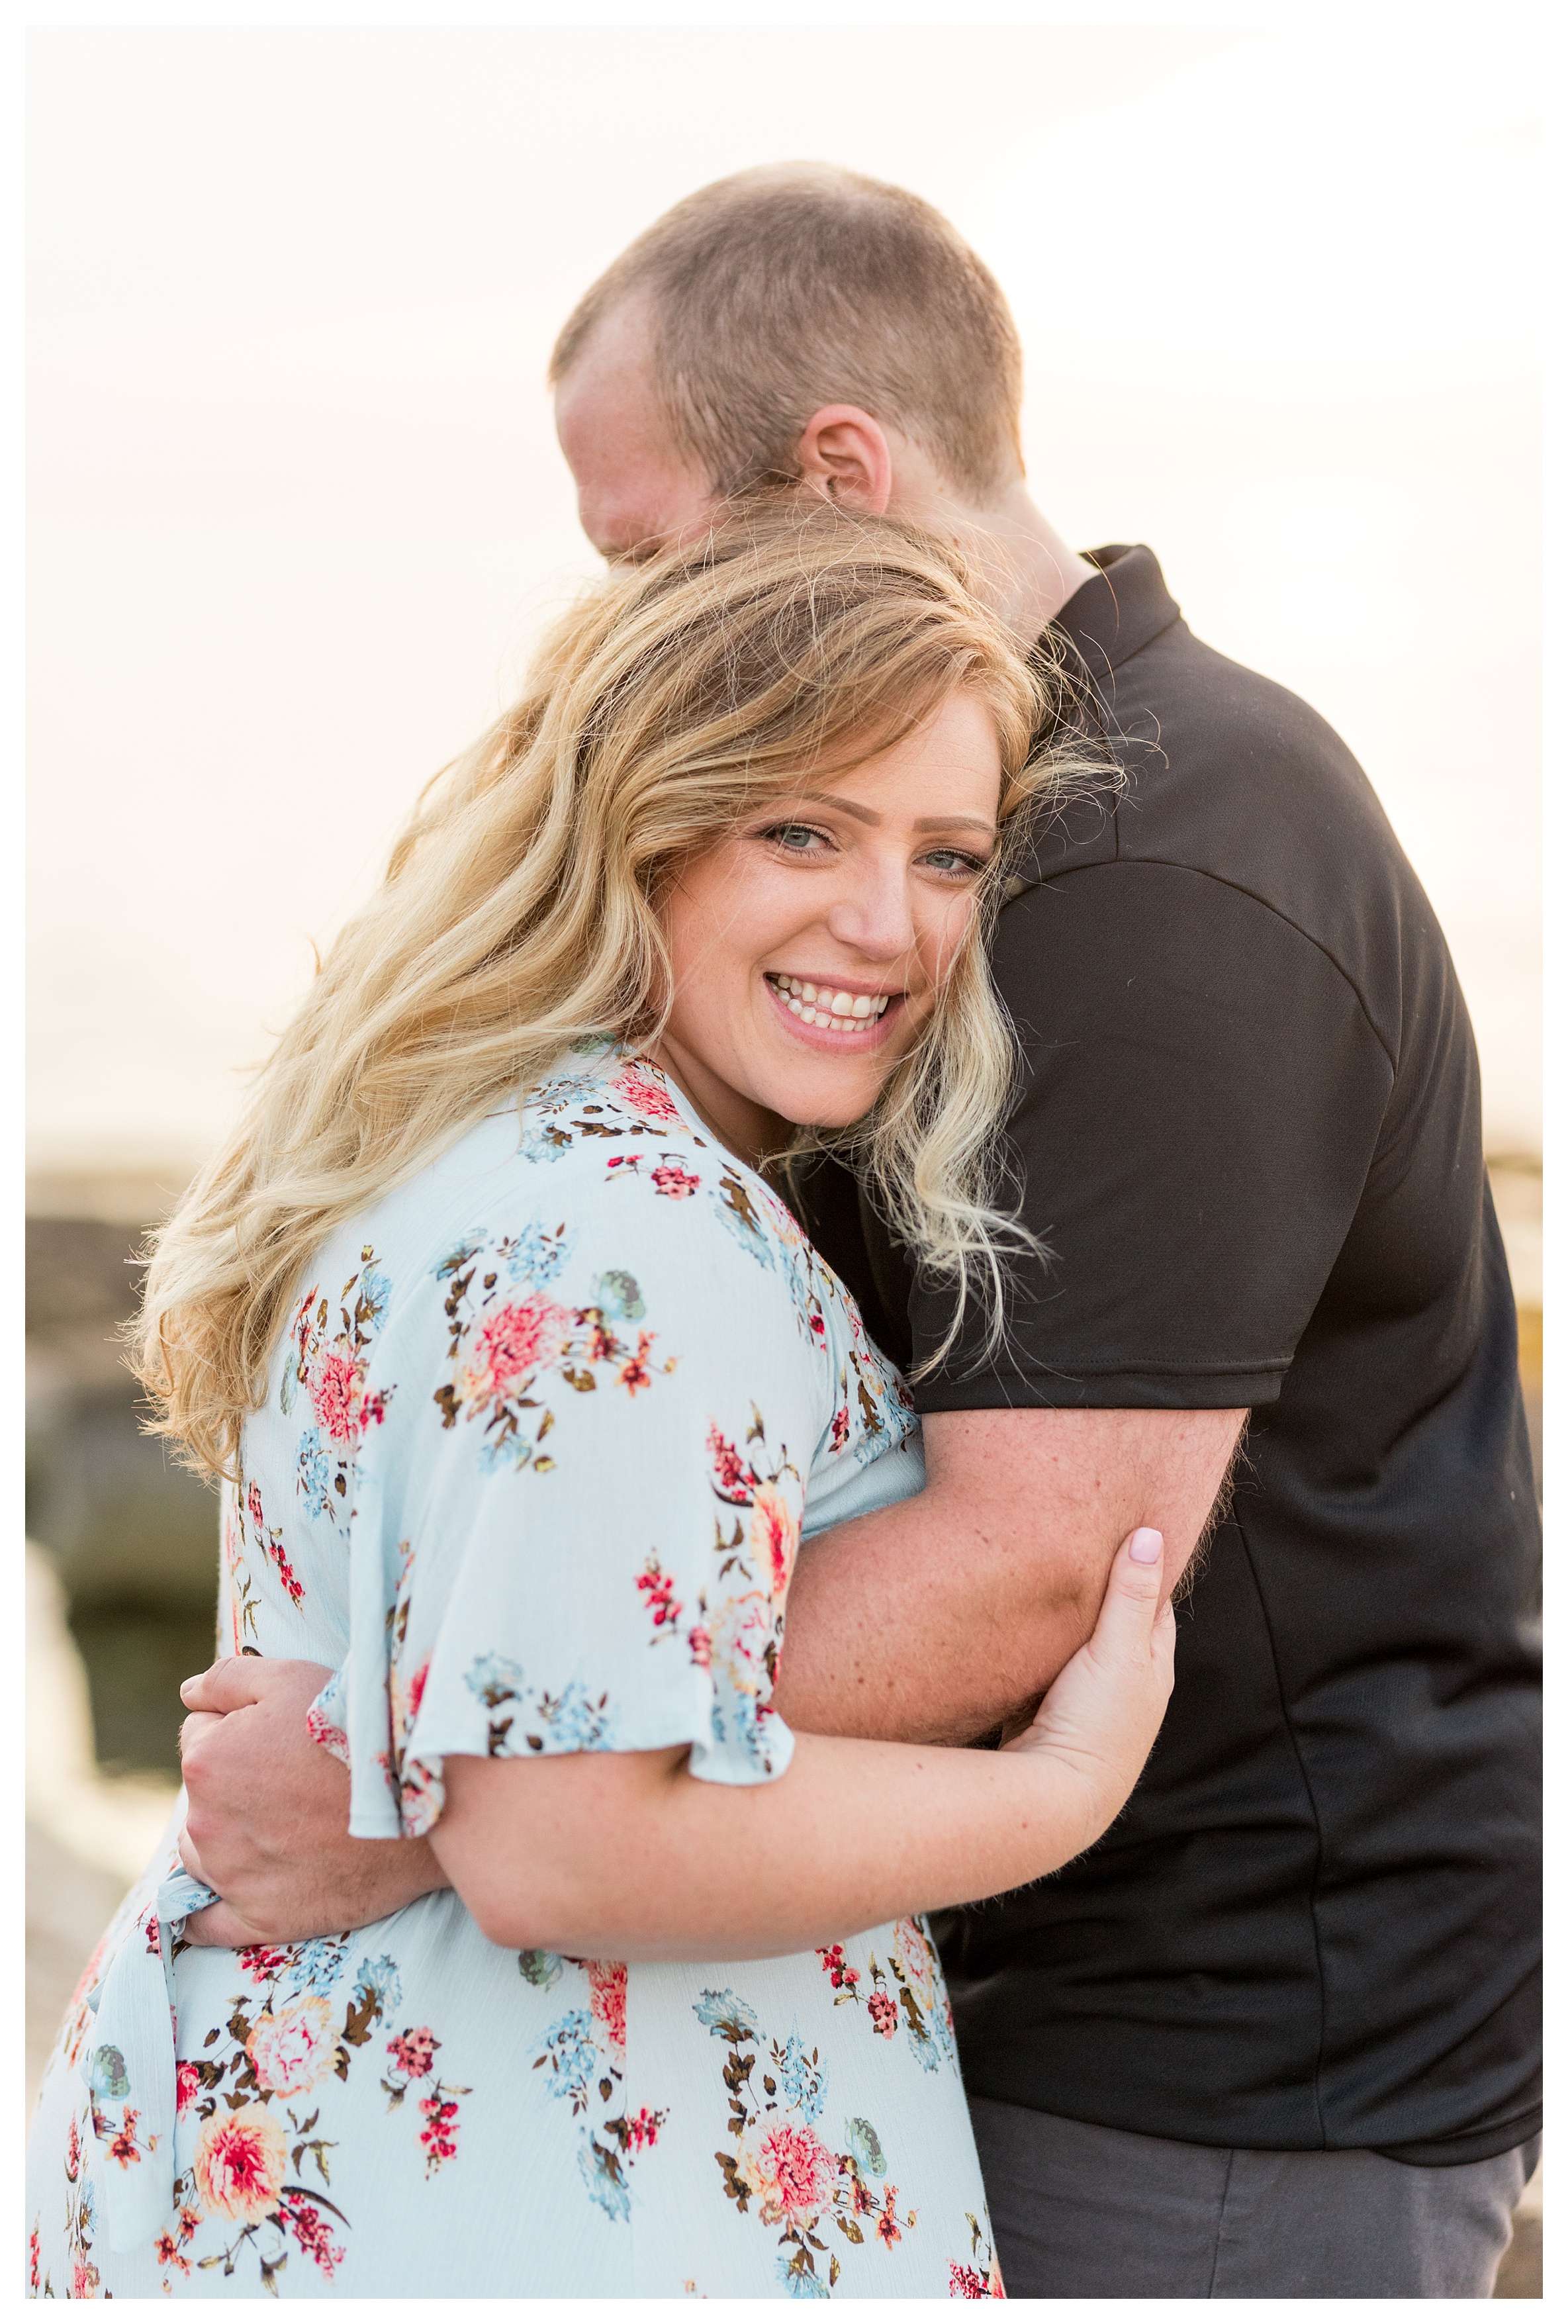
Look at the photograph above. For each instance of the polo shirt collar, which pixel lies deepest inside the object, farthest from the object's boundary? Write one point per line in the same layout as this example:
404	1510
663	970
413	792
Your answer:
1117	613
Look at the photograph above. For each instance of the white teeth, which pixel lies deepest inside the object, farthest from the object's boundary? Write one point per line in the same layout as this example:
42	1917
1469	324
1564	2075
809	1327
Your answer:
842	1013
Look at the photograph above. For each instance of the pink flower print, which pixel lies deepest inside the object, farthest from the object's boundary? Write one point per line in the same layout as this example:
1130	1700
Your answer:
645	1096
327	1733
413	2051
32	2262
123	2147
842	1977
658	1589
512	1342
416	1689
607	2001
292	2047
84	2280
887	2221
884	2014
287	1576
788	2169
313	2234
334	1397
262	1962
840	1436
775	1536
439	2135
702	1647
73	2151
670	1179
186	2082
634	1373
732	1478
642	2129
253	1504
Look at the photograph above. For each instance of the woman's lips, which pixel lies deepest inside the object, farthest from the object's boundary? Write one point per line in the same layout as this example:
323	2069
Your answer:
826	1020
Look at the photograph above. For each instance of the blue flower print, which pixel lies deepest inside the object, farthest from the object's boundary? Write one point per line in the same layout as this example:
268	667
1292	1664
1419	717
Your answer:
106	2073
571	2054
495	1679
314	1474
316	1966
726	2014
379	1980
604	2180
797	2283
800	2078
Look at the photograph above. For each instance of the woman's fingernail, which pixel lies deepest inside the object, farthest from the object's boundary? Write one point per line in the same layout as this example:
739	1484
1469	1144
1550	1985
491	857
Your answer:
1146	1547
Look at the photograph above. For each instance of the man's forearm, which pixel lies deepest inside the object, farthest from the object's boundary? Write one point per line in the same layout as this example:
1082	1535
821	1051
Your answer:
943	1617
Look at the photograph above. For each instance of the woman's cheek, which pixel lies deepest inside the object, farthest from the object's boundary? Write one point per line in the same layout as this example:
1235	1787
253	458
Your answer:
948	934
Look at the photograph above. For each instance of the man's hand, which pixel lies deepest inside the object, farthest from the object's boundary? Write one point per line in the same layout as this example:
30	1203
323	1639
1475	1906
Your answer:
938	1620
267	1824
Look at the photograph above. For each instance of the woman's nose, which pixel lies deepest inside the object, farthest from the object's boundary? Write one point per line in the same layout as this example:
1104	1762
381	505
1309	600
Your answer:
874	913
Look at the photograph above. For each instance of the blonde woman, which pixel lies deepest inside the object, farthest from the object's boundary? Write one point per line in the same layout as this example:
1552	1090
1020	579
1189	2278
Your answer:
524	1384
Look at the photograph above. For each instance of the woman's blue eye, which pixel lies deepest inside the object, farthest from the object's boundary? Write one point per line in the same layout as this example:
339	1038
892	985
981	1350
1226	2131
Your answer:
797	835
952	859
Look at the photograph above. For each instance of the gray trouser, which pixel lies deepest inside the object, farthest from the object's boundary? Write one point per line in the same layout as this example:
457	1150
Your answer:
1081	2212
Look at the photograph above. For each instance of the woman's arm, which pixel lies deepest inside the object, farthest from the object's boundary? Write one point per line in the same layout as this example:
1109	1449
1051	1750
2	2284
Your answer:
625	1856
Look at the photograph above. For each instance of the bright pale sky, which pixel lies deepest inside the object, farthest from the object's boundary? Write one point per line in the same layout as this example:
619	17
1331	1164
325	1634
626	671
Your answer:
296	506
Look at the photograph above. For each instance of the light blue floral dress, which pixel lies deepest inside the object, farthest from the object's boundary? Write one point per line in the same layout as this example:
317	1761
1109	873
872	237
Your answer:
537	1454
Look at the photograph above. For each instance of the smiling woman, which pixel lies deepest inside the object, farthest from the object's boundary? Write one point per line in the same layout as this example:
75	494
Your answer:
527	1386
575	876
807	948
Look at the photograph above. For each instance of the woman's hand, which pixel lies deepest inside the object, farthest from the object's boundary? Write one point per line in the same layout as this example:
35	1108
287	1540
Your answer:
267	1814
1100	1719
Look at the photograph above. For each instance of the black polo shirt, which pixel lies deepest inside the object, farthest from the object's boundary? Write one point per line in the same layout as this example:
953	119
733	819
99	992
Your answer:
1249	1132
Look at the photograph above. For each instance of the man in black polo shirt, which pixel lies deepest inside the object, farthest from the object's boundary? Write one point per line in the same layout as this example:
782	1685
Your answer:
1276	2035
1277	2032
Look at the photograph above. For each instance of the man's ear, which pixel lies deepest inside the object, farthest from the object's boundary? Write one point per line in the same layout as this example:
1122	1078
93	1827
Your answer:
845	455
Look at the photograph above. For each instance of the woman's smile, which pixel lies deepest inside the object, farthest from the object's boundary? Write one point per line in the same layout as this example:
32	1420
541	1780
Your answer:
808	946
841	1012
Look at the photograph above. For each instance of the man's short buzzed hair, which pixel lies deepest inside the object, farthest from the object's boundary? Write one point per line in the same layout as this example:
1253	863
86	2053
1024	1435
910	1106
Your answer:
798	285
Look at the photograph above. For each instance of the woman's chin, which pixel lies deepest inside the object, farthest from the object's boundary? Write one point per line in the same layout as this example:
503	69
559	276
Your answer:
825	1099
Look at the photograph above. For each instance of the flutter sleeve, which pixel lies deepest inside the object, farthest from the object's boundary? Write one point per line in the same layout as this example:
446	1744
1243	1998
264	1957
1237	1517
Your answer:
580	1533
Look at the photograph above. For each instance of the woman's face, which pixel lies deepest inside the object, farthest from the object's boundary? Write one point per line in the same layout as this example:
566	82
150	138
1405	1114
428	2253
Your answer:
808	947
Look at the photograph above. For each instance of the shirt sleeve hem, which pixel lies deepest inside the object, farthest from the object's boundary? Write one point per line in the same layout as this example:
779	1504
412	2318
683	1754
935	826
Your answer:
1152	1387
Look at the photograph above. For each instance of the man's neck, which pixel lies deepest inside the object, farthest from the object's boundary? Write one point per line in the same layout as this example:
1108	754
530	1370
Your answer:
1024	569
1027	571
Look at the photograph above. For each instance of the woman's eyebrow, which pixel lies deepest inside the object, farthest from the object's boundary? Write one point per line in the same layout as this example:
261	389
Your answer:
925	822
847	807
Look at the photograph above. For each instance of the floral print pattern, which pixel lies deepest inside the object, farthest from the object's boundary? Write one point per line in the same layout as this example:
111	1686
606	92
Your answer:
781	2163
544	1435
585	2056
333	1369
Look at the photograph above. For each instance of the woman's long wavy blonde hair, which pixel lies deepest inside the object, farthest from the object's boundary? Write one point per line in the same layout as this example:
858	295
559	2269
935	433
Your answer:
520	913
